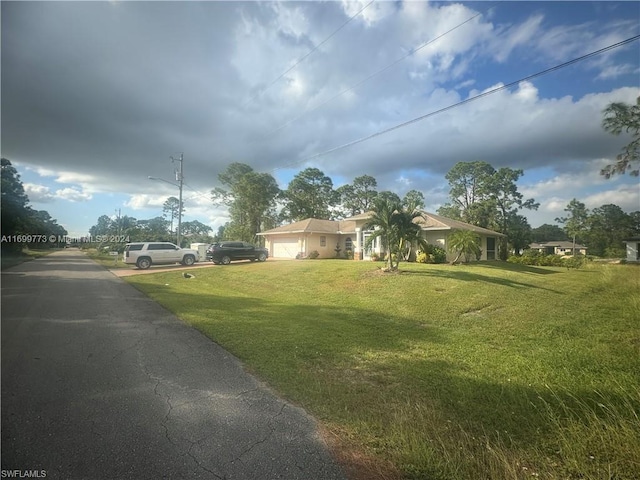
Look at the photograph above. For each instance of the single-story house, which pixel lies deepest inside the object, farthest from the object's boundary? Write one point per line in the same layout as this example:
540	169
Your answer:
558	248
633	249
299	239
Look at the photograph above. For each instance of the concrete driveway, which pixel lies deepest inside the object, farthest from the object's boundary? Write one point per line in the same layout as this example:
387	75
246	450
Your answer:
99	382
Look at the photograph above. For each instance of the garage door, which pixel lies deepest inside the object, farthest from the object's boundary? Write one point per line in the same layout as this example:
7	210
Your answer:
285	247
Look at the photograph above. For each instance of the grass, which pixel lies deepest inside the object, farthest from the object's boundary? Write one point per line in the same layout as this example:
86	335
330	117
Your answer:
11	258
483	371
106	260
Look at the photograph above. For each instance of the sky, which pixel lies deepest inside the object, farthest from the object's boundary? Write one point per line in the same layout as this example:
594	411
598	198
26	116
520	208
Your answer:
98	96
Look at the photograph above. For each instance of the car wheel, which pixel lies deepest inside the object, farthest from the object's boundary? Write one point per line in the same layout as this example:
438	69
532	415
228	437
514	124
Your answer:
188	260
262	257
226	260
143	263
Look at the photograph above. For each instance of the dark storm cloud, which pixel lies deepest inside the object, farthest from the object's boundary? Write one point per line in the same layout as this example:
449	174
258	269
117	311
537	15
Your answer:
113	89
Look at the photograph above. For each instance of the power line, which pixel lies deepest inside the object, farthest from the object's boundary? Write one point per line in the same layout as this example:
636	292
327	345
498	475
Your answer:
463	102
395	62
301	59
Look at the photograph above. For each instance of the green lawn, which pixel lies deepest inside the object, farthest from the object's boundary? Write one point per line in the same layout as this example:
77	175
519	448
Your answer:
486	371
12	258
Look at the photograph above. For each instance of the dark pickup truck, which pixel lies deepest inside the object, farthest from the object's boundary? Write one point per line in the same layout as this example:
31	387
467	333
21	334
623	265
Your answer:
226	252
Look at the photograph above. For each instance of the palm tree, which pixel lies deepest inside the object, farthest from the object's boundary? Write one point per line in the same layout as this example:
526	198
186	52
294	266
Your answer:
396	228
464	242
408	233
382	223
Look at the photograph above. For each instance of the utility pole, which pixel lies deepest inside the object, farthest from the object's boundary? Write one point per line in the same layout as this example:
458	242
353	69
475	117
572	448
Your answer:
179	179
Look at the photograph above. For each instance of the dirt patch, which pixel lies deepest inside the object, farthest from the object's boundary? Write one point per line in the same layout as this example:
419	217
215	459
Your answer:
356	464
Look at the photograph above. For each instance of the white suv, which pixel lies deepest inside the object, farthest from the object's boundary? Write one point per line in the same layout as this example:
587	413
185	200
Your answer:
144	254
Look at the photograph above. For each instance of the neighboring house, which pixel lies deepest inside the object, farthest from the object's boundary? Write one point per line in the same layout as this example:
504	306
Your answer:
299	239
633	249
558	248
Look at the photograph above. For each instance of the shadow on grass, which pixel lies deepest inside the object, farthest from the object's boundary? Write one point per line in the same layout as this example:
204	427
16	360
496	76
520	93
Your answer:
455	274
515	267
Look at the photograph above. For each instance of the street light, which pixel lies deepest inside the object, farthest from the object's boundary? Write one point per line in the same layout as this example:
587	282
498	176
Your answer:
179	179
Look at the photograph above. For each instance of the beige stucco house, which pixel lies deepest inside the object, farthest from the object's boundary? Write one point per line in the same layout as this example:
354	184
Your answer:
299	239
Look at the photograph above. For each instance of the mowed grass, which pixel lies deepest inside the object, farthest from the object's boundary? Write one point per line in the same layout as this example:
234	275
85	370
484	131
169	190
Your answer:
485	371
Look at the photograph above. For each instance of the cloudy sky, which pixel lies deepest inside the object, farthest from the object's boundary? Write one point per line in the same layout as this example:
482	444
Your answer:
97	96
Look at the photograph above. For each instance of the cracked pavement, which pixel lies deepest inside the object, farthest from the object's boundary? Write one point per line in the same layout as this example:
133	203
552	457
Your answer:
100	382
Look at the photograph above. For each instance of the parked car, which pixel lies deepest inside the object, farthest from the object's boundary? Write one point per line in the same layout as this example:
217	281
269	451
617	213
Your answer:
144	254
226	252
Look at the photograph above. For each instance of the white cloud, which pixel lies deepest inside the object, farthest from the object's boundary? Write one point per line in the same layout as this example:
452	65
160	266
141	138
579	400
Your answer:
141	201
38	193
73	194
516	36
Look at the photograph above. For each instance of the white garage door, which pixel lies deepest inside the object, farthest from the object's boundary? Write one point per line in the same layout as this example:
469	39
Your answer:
285	247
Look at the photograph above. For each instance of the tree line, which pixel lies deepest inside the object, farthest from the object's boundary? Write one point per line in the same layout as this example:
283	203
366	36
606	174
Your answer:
256	203
19	220
602	230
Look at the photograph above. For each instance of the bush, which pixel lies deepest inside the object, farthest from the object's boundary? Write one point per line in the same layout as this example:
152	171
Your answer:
574	262
435	254
375	257
533	257
423	257
348	254
314	254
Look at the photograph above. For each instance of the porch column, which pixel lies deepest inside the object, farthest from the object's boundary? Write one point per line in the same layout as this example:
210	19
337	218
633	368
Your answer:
357	249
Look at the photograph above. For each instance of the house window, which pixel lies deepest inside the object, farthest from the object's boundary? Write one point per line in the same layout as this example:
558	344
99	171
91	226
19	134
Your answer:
323	241
491	248
348	243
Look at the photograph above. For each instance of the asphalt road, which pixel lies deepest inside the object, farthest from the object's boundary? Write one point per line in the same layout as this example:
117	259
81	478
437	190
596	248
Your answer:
99	382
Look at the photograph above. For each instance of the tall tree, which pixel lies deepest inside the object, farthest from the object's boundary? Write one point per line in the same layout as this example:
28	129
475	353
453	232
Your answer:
467	181
413	200
618	118
309	195
155	230
104	226
547	233
251	198
503	193
575	223
358	196
608	226
488	198
15	211
195	227
520	234
171	209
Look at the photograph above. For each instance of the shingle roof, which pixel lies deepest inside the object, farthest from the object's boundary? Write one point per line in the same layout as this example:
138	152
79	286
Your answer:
431	221
428	221
314	225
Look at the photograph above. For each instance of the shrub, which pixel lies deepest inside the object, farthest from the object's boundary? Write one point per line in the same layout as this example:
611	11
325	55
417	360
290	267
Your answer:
436	254
375	257
348	254
423	257
314	254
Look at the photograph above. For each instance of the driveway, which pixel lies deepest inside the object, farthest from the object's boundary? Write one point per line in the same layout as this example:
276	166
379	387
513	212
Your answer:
99	382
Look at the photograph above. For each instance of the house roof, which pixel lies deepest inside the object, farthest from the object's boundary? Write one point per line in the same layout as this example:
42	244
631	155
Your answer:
431	221
314	225
557	243
428	221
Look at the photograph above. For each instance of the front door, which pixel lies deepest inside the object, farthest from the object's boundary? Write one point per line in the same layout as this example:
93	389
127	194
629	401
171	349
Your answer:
367	250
